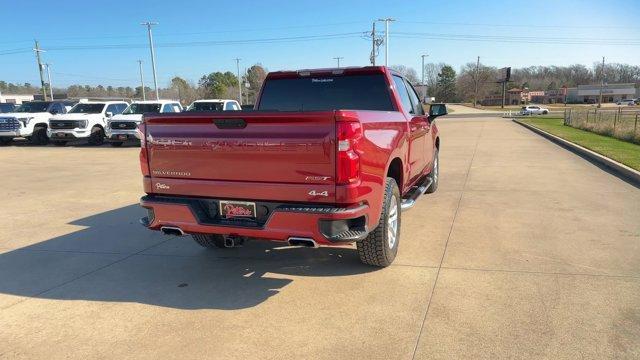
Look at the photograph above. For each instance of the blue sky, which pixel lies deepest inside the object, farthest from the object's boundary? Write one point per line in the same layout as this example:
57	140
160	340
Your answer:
421	27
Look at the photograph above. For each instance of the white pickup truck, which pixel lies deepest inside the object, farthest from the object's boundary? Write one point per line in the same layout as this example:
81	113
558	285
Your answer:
86	120
214	105
123	127
30	120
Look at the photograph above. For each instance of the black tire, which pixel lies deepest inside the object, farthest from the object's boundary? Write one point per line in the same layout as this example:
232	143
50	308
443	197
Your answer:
209	240
116	144
59	143
97	136
435	173
39	136
545	112
378	248
5	140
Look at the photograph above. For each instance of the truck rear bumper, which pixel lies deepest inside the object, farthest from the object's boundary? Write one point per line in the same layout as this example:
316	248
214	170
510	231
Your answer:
326	225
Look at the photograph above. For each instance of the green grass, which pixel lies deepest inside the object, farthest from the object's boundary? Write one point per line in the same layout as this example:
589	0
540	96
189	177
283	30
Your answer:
618	150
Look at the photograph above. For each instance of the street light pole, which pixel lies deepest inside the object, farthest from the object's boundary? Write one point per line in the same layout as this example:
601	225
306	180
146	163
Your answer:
148	24
144	95
338	58
49	78
424	86
386	39
601	84
239	80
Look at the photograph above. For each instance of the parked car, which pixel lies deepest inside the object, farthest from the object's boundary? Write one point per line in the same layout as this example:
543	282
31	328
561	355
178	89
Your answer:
30	120
124	127
86	120
533	110
214	105
329	157
626	102
7	107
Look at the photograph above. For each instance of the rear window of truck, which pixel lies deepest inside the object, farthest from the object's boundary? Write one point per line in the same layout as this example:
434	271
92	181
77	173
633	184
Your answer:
322	93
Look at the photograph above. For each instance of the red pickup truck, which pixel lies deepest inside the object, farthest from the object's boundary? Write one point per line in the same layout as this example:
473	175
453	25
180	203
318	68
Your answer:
327	157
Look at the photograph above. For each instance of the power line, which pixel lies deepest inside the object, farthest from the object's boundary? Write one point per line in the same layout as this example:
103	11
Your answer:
538	26
161	34
516	39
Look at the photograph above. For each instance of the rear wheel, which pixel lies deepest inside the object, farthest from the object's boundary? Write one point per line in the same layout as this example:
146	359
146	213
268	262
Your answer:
116	144
39	136
97	136
380	247
435	174
209	240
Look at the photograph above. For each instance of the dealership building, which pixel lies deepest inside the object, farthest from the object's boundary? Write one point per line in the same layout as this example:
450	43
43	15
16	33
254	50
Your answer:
590	94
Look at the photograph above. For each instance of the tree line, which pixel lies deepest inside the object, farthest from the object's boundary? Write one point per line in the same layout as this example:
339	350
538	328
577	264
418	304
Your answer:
218	85
441	80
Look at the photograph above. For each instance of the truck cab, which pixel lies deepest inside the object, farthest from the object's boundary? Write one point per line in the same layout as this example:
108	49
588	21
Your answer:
86	120
213	105
123	127
30	120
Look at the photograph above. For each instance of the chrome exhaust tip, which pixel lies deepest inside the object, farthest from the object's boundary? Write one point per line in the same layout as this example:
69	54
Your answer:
300	241
172	230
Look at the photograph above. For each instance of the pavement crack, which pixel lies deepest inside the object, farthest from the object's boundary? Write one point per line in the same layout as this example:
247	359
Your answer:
446	244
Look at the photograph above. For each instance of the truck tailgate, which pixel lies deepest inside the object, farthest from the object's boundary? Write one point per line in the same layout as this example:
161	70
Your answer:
245	155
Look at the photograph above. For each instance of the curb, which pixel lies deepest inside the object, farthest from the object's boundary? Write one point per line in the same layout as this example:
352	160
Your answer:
620	170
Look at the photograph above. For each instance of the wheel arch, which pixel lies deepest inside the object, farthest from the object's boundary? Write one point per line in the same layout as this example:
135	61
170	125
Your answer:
395	171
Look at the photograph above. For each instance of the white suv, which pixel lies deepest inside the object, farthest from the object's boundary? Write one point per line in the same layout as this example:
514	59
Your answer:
533	110
123	127
86	120
30	120
214	105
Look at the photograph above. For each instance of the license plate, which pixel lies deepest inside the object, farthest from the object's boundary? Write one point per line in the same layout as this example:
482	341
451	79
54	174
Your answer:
237	209
122	137
61	135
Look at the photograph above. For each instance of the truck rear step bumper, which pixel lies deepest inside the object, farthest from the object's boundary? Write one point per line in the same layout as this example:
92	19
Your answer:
326	225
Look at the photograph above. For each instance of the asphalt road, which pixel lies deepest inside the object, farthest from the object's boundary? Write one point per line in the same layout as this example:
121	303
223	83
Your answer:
525	251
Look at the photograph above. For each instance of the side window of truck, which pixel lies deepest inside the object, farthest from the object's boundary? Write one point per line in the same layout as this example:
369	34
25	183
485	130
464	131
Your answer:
402	92
167	108
415	100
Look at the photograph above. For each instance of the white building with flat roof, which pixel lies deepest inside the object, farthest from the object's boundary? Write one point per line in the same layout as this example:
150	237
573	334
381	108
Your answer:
15	99
589	94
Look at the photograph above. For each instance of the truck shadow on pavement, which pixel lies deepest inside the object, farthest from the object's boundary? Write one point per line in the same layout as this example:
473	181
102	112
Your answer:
115	259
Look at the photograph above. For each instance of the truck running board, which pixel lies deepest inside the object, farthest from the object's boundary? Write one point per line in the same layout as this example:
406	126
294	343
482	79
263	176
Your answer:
415	194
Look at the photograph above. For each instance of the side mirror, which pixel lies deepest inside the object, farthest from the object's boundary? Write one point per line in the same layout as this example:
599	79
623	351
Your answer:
54	112
436	110
109	114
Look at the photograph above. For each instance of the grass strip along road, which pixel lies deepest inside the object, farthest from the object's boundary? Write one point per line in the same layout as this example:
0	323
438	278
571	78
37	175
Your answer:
621	151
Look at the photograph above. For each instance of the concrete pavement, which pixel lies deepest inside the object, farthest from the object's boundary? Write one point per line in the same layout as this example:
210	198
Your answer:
525	251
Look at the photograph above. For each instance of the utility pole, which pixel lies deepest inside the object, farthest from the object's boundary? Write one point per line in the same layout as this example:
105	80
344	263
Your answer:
475	93
149	24
386	39
49	78
601	84
373	45
338	58
144	95
40	69
239	80
424	87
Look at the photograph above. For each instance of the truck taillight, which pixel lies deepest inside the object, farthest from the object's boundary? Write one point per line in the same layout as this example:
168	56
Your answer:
144	161
348	133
